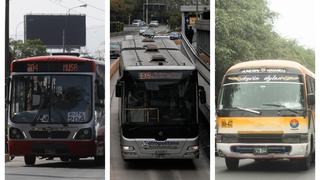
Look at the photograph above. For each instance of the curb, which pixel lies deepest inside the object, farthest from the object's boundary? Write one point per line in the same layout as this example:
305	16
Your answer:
114	67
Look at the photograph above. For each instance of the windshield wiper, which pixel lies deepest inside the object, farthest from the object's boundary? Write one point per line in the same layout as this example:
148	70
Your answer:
248	110
283	106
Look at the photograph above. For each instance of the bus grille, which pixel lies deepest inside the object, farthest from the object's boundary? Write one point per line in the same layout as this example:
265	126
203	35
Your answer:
271	149
260	138
50	134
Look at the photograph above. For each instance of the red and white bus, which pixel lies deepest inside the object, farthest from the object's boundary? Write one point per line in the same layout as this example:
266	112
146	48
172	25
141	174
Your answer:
56	108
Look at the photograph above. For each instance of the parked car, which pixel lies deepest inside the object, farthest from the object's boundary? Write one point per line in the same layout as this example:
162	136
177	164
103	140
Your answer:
175	35
136	22
154	24
143	29
150	33
114	50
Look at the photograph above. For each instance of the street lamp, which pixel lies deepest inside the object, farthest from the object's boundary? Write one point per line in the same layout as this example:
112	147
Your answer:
65	25
83	5
16	36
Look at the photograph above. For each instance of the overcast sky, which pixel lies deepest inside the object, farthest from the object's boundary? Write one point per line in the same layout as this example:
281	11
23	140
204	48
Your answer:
94	17
295	20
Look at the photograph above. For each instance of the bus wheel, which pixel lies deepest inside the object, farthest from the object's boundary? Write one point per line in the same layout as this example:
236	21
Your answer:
30	160
64	159
303	163
232	163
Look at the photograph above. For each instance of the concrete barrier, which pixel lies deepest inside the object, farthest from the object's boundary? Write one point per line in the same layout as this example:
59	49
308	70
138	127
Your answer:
114	67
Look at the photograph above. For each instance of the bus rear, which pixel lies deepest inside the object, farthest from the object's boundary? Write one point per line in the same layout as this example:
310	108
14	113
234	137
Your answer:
52	105
265	112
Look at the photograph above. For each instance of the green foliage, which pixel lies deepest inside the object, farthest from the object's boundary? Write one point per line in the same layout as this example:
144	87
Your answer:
174	20
116	26
244	31
29	48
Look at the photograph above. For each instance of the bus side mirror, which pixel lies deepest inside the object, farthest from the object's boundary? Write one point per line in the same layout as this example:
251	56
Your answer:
100	91
311	99
119	89
202	95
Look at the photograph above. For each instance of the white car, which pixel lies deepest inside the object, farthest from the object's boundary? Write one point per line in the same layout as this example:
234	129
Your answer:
154	24
136	22
143	29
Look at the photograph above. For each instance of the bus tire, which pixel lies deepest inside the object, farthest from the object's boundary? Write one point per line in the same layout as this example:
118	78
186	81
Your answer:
303	163
29	160
232	163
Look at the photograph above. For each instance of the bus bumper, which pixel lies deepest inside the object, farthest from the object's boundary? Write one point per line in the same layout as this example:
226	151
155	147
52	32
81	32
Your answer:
275	150
174	149
52	148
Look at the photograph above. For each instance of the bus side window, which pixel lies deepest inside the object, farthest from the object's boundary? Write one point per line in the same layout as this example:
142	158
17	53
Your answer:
310	85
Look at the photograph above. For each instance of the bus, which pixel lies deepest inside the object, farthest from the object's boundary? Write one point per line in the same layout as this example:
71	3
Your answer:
266	111
56	108
158	101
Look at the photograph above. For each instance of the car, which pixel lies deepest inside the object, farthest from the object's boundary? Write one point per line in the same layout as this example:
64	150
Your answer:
150	33
175	35
136	22
114	50
143	29
154	24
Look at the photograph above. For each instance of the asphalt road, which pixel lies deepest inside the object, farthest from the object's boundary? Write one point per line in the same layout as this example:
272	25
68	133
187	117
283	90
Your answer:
155	169
85	169
273	170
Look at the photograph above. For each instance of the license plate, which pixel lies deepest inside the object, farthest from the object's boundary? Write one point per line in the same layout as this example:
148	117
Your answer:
260	150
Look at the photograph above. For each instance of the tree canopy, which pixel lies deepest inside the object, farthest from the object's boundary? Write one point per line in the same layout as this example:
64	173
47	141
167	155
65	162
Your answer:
29	48
244	31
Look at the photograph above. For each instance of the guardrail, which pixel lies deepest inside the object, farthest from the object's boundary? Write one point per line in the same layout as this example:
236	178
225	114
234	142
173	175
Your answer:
203	72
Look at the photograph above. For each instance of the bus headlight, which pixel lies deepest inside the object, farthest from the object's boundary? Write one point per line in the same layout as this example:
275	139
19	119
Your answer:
85	133
193	148
127	148
226	138
295	138
15	133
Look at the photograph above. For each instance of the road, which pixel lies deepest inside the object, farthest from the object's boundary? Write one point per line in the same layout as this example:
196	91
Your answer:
250	170
155	169
85	169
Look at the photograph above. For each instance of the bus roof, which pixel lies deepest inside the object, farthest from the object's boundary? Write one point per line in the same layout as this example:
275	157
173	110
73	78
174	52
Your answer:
272	64
52	58
153	54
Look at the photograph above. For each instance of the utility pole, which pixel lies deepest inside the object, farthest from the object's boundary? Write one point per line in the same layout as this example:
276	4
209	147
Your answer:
147	9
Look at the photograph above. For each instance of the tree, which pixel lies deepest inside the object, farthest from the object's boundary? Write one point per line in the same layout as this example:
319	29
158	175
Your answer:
29	48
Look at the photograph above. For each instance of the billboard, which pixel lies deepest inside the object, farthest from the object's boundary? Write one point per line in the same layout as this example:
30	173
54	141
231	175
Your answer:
53	30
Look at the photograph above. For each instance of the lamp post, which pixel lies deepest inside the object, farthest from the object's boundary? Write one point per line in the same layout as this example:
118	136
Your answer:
65	26
16	34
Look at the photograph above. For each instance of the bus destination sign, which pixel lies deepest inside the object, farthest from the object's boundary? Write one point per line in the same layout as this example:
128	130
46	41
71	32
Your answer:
52	67
159	75
263	78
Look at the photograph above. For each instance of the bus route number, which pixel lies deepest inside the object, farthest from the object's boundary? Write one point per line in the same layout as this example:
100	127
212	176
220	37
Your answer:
76	117
70	67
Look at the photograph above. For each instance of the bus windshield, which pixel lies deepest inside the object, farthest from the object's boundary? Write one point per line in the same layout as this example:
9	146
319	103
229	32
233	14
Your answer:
51	99
160	97
262	93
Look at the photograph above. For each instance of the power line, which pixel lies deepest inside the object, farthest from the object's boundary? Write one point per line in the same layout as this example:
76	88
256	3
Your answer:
59	4
102	10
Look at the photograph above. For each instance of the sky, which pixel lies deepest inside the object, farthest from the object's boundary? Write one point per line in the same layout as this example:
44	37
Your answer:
296	20
95	15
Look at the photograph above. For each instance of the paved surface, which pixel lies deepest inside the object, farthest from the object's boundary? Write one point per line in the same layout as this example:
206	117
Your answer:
155	169
85	169
273	170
